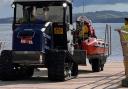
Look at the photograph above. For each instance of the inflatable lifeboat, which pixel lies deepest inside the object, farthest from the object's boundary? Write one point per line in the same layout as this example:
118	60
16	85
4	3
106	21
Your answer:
89	43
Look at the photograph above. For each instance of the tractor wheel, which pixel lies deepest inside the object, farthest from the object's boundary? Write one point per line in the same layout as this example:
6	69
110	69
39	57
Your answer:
59	69
56	69
6	56
74	69
30	72
26	72
8	72
95	64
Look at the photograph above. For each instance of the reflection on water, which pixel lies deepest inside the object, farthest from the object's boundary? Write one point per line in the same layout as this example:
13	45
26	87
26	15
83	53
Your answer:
6	36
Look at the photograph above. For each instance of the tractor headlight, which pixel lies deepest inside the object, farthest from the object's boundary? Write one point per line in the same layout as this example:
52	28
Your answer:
13	5
64	5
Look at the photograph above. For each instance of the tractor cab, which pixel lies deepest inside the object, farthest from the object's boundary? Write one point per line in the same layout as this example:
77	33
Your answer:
52	17
39	11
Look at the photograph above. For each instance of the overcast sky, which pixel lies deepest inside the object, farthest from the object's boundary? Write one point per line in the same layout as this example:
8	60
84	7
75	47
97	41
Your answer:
95	2
99	5
90	6
5	8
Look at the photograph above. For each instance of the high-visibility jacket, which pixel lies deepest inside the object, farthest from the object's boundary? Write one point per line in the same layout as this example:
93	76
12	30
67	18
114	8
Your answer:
84	32
125	28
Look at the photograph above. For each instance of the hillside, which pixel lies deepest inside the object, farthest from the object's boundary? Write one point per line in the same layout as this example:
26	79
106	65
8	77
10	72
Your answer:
104	16
6	20
97	17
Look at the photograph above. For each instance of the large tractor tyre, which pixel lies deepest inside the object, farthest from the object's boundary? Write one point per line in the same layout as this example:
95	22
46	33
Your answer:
74	69
30	72
8	72
95	65
6	56
26	72
59	68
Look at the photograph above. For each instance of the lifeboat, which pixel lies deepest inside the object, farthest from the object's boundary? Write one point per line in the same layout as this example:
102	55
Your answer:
90	44
87	45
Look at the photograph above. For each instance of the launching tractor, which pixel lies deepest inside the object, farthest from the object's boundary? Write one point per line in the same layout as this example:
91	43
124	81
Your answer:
43	37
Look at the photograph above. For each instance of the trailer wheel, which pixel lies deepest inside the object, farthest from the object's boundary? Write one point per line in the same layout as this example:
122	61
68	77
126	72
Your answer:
103	61
95	64
102	67
74	69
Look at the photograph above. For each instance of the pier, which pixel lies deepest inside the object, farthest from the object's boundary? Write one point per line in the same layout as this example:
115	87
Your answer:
110	78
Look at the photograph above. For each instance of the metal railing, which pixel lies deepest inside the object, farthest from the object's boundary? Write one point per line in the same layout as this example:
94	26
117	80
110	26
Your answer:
107	39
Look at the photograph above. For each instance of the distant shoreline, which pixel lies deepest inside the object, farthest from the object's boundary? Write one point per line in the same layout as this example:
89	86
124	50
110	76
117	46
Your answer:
74	22
96	17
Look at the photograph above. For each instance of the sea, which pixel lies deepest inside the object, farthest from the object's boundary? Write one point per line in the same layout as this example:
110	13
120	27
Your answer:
116	50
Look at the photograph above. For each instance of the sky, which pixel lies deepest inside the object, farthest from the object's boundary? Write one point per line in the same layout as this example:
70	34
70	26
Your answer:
5	8
89	6
100	5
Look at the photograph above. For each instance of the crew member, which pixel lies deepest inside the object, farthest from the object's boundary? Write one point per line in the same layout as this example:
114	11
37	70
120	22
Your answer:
84	33
93	33
125	28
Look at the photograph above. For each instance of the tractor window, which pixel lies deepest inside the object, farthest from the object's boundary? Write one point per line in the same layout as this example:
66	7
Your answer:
56	13
19	13
68	14
27	13
50	13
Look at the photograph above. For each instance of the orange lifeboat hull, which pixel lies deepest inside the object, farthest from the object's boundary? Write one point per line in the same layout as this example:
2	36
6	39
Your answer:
94	46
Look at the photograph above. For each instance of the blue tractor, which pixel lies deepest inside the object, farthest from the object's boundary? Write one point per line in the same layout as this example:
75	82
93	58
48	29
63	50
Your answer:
42	37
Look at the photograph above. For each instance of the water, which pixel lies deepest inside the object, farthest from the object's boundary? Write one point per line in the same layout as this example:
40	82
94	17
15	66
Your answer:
6	36
6	32
116	46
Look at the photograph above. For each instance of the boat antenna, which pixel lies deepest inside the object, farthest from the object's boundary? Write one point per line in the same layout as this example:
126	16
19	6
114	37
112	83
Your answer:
83	7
